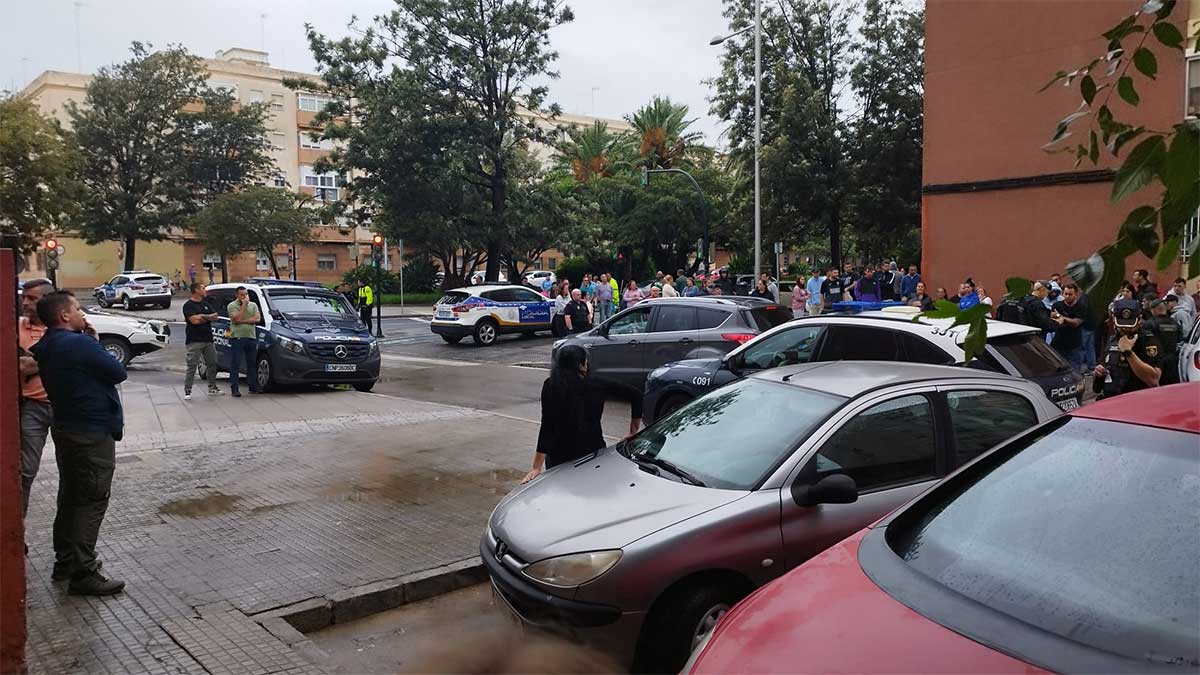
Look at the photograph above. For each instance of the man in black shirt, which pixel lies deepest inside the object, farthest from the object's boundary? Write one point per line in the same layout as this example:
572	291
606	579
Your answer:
576	314
849	278
1068	316
199	314
1132	359
831	290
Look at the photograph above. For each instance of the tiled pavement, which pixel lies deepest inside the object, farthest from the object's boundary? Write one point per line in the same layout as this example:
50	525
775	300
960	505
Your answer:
222	509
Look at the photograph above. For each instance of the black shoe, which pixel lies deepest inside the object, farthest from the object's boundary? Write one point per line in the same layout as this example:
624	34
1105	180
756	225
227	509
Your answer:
235	393
95	584
62	571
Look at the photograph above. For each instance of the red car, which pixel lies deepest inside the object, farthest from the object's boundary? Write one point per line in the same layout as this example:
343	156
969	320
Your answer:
1073	547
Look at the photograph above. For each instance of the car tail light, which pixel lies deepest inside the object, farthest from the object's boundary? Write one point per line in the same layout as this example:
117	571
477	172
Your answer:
458	309
136	287
1196	359
740	338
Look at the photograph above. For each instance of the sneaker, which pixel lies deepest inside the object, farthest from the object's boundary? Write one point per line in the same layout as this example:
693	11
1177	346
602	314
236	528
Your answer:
187	395
213	391
62	571
95	584
235	393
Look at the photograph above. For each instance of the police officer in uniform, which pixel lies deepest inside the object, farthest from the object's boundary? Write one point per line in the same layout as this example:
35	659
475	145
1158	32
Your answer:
1132	357
1166	329
366	302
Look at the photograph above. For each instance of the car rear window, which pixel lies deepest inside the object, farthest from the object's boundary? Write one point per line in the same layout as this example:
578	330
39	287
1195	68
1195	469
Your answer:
1030	355
453	298
152	279
766	318
1114	568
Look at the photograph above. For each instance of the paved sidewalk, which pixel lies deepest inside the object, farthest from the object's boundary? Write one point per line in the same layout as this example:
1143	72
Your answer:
226	508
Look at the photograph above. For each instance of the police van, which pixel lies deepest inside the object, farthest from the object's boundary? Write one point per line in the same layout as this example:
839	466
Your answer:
486	311
305	335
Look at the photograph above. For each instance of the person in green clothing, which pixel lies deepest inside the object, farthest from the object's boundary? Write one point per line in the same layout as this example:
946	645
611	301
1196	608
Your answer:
616	294
243	341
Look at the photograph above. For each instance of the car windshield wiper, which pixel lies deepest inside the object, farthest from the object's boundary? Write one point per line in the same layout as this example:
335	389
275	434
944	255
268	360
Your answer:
671	468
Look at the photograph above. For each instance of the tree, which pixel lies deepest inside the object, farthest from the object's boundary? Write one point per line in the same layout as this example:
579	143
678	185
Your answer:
662	127
438	95
594	151
36	166
133	170
256	219
227	144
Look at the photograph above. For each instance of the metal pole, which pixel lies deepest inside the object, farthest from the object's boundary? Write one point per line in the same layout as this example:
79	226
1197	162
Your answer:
400	257
757	136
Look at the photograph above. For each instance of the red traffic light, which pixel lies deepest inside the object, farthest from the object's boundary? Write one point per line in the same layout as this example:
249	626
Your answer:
377	240
51	244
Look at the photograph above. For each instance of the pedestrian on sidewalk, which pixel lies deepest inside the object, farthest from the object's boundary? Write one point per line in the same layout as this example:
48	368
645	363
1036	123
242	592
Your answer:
366	302
572	411
36	413
243	341
604	299
576	314
800	297
192	273
668	287
80	379
813	286
632	295
199	314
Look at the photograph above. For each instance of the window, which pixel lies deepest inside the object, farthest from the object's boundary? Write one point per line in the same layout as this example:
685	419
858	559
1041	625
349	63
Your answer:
674	318
326	261
325	185
312	102
281	261
553	262
766	318
1193	87
709	318
221	299
785	348
890	443
212	260
526	295
1030	355
537	264
256	96
919	350
279	180
498	295
633	322
277	101
310	304
307	142
278	141
859	343
261	261
227	87
983	419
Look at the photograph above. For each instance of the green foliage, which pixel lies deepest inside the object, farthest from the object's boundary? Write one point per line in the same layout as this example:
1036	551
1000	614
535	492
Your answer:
37	162
664	139
740	264
573	269
254	219
134	166
420	275
594	152
227	144
385	280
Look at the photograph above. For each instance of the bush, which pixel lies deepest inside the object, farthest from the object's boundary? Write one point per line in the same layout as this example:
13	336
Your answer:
573	268
388	282
420	275
740	264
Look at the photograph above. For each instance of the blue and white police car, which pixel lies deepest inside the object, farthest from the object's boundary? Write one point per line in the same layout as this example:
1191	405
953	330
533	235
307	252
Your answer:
486	311
134	288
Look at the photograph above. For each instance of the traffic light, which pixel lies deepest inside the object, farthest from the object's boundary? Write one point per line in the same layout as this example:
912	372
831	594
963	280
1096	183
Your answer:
52	253
377	249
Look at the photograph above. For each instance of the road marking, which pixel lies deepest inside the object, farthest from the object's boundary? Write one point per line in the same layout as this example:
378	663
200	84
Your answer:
431	362
420	320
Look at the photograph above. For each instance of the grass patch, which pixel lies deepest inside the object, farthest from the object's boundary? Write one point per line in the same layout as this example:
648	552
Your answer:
410	298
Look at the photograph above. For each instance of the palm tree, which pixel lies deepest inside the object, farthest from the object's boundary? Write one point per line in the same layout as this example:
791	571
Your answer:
594	151
665	139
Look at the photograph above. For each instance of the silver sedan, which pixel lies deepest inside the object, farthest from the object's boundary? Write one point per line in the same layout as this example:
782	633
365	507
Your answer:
642	547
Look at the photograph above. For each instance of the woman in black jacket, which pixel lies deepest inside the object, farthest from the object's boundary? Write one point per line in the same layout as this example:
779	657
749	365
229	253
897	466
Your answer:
572	410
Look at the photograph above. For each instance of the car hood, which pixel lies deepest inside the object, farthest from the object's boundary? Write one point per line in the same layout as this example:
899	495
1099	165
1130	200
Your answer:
604	503
111	323
336	329
688	368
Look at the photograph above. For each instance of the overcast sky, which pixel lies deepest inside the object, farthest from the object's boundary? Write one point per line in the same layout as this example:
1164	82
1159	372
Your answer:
614	57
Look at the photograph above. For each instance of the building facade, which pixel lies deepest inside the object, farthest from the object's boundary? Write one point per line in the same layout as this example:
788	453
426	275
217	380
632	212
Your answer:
994	204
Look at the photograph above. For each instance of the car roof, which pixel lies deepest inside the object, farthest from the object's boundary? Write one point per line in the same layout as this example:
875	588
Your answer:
270	287
728	300
1175	406
476	289
852	378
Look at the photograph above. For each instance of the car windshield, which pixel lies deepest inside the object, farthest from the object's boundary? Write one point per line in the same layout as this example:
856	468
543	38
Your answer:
311	304
1030	355
734	436
1114	566
766	318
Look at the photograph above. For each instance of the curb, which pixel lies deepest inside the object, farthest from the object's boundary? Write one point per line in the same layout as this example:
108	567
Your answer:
361	601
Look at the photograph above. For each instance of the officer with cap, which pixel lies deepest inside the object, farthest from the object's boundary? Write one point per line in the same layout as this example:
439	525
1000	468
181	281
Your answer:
1133	356
1167	331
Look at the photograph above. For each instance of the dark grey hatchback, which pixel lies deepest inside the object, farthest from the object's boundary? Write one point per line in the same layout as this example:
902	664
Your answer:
623	350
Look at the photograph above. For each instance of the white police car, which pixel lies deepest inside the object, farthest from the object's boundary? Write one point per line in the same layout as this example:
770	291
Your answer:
134	289
486	311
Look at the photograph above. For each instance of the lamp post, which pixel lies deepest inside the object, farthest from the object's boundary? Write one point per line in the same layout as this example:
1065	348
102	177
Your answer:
757	28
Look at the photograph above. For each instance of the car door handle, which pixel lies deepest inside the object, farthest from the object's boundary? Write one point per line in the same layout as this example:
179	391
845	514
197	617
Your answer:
685	339
633	342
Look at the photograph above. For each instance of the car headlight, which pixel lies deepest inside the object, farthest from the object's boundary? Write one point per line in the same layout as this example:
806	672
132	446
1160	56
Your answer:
374	346
658	372
291	345
557	344
575	569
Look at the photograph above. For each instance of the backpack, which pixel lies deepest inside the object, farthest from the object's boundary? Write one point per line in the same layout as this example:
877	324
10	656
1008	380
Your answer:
1013	311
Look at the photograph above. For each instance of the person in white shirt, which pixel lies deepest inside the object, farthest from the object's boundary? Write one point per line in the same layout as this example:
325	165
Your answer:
668	287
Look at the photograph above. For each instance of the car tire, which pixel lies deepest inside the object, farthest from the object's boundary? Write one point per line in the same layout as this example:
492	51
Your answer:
364	386
102	301
679	622
486	333
452	339
126	304
167	304
266	373
671	404
118	348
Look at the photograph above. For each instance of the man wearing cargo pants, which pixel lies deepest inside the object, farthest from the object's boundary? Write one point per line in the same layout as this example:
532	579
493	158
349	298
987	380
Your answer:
199	314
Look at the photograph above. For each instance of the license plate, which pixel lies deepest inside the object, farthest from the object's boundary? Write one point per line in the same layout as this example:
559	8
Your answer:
445	314
340	367
1068	404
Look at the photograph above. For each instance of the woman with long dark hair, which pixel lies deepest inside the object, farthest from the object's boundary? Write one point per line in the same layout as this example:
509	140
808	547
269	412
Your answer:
572	409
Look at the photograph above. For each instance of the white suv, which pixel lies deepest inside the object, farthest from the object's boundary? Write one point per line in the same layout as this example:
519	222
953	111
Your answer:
484	312
125	337
134	289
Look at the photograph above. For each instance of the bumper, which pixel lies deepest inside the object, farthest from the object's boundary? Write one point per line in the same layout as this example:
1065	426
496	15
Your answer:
149	299
148	342
451	329
292	368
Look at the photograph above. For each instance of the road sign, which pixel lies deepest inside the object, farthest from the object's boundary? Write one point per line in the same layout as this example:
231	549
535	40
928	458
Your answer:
778	247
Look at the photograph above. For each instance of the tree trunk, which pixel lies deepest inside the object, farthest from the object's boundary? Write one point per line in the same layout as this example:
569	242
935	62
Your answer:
130	250
835	240
224	270
274	267
496	243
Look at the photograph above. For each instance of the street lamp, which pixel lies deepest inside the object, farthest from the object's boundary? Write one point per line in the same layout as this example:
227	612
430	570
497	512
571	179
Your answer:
757	28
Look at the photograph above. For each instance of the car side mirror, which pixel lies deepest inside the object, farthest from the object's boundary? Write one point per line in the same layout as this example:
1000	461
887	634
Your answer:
276	314
837	488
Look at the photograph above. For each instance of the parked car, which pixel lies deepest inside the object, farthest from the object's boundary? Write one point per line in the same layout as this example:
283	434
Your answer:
641	547
305	335
479	278
124	337
1070	548
631	344
136	288
743	284
534	278
884	335
485	312
1189	355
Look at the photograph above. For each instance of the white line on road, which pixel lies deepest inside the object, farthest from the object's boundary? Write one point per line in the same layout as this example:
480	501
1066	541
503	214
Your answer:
431	362
419	319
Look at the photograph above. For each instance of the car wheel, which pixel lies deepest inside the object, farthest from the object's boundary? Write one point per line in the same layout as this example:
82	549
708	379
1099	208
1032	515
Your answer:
452	339
266	376
485	333
118	348
102	301
125	304
167	304
673	403
680	622
364	386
